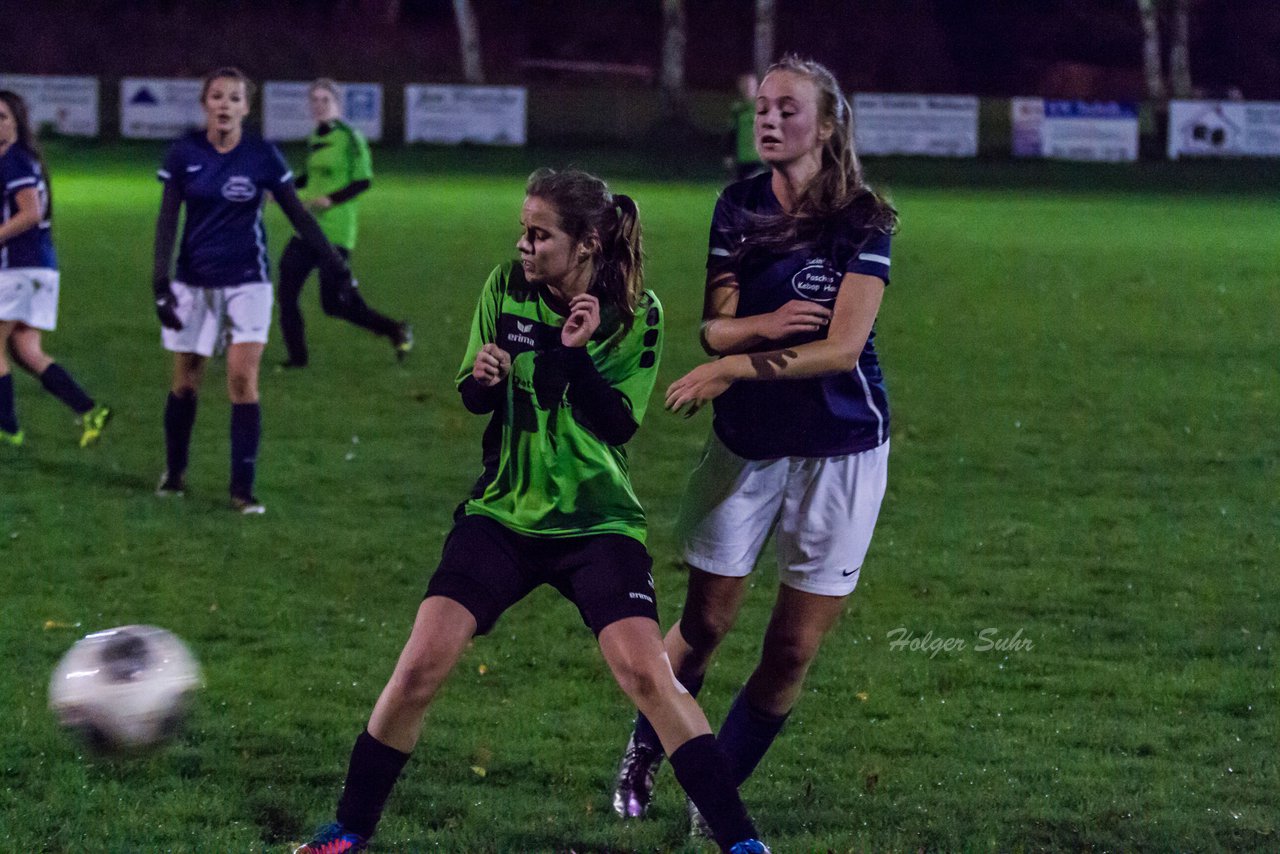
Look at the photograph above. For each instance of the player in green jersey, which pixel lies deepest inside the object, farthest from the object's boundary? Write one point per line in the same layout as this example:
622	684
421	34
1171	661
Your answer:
339	168
563	356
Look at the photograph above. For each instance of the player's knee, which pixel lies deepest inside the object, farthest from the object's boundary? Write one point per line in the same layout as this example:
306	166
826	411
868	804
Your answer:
242	388
789	656
416	684
642	682
704	629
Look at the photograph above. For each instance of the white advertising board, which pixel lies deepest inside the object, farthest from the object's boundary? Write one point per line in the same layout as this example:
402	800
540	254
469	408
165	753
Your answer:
490	115
286	116
159	108
68	104
1224	129
932	125
1075	130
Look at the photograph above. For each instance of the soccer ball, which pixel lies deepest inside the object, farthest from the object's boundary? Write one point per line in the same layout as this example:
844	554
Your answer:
125	689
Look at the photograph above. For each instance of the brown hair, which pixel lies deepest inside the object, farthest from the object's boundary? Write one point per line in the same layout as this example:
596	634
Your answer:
27	139
226	72
328	84
837	193
586	207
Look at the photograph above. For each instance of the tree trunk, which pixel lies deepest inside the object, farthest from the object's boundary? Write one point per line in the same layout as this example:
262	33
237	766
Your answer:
468	41
762	53
674	36
1151	49
1179	50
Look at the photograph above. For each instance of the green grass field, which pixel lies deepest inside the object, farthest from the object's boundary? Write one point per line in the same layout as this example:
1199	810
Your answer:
1083	367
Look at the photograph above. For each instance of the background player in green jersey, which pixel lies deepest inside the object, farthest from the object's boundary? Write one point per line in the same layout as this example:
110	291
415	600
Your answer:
563	356
339	168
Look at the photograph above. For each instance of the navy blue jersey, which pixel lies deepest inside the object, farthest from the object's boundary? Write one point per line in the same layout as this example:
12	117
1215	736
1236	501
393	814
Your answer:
817	417
223	241
20	170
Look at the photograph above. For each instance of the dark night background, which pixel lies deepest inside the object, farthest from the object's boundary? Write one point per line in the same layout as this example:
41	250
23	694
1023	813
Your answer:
1000	48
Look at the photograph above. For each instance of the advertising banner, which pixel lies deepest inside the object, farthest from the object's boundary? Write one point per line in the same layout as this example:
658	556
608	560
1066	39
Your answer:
159	108
1224	129
1075	130
489	115
931	125
286	117
67	104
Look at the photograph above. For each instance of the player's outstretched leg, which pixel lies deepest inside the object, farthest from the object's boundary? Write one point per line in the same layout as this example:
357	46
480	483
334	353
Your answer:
296	264
634	650
344	301
28	351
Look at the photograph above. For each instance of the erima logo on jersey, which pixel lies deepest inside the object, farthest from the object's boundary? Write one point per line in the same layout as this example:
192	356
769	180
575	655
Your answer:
519	338
524	327
239	189
816	281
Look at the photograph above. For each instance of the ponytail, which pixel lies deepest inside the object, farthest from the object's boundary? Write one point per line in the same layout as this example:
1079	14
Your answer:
586	207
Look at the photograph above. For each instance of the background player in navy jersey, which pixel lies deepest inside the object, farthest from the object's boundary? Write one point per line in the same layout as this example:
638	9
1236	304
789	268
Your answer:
797	265
563	355
29	277
221	293
339	168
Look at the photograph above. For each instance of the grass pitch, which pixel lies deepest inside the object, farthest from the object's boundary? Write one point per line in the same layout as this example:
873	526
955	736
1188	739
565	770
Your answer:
1080	535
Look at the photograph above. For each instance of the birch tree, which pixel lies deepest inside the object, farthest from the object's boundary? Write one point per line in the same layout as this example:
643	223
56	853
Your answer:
674	37
1151	52
762	49
468	41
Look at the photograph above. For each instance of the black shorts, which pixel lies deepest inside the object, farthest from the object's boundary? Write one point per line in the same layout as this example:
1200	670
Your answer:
486	567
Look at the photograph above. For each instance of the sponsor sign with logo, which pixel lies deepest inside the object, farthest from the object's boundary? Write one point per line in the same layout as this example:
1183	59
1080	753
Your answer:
932	125
286	115
817	281
159	108
67	104
1224	129
1075	130
488	115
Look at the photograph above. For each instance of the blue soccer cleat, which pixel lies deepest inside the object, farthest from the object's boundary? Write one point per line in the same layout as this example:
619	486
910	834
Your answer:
333	839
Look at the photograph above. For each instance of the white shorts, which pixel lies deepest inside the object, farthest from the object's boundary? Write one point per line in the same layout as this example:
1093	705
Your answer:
823	509
30	295
213	318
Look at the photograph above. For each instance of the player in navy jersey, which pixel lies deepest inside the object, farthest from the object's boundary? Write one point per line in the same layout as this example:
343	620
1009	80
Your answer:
562	357
797	265
29	277
220	295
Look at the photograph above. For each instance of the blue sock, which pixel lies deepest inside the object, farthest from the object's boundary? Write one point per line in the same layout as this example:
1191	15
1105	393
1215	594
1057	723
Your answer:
60	384
8	415
645	733
745	736
246	429
179	418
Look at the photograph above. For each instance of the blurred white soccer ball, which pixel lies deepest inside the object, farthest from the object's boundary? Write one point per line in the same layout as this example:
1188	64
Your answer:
125	689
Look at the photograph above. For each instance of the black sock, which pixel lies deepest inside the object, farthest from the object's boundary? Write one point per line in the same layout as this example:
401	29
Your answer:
701	768
179	418
745	736
645	733
8	415
60	384
246	429
371	775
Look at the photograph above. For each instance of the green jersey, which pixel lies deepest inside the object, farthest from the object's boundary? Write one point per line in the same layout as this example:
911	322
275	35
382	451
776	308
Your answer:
546	474
744	132
334	160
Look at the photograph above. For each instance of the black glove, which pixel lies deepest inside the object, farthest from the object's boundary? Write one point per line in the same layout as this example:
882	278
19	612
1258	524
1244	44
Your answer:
166	304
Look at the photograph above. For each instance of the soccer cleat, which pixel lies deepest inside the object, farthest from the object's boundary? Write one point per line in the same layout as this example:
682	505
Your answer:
749	846
698	827
171	486
403	341
93	423
14	439
333	839
247	505
633	789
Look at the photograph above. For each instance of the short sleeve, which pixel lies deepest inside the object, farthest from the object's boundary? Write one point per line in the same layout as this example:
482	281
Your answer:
278	172
174	167
631	366
361	161
872	259
484	322
721	242
17	173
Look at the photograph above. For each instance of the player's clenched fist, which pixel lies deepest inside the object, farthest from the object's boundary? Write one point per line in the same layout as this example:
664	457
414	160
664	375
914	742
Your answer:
492	365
